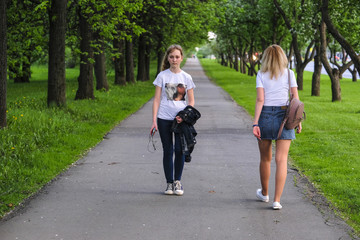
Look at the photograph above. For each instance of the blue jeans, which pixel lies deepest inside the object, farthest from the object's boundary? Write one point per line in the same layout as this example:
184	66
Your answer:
166	135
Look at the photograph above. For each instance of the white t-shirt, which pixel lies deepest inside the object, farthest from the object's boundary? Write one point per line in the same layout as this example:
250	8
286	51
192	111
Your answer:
276	90
174	87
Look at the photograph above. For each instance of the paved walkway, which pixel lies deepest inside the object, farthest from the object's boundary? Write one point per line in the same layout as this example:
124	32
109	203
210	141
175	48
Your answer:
115	192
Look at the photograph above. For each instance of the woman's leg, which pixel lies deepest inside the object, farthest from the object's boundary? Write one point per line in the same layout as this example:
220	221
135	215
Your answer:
164	127
265	163
179	158
281	155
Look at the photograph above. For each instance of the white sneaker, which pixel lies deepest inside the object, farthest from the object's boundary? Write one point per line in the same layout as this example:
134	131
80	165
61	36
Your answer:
277	206
178	188
261	197
169	189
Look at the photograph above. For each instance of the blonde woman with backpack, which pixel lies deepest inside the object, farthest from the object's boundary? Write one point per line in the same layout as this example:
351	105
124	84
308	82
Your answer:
272	89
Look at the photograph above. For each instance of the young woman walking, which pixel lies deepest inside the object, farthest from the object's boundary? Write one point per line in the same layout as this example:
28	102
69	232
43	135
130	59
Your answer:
272	89
173	87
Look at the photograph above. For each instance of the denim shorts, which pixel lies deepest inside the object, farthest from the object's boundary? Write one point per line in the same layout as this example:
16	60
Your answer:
270	121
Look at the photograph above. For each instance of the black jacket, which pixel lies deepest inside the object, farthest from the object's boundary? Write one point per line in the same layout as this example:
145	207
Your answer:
186	130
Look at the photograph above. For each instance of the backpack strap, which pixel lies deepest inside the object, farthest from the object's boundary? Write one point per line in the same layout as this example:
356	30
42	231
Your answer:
285	117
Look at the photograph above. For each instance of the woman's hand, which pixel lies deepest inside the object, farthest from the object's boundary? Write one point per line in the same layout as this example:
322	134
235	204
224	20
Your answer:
178	119
154	126
299	128
256	132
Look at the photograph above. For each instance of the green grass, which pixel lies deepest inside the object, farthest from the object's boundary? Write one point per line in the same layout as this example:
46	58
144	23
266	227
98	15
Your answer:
328	149
41	142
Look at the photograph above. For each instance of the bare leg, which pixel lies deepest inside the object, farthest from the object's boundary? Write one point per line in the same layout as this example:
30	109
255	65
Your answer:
281	156
265	162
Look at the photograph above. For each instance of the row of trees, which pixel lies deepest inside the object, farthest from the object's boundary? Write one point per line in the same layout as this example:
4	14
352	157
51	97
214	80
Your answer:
93	32
308	30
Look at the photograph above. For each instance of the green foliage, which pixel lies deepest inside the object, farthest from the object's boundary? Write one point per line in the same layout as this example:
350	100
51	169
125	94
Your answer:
41	142
327	151
345	16
27	34
176	22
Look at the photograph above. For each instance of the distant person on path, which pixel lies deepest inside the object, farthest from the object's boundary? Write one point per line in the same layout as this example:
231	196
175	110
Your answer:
272	89
172	87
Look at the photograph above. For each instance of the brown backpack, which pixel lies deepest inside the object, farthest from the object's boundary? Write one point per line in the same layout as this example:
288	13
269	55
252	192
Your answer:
294	114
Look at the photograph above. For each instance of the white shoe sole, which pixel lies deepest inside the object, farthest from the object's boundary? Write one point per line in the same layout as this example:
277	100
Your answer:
277	206
179	193
261	197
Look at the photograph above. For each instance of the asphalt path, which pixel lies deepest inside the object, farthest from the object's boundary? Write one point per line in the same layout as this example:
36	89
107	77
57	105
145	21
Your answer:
116	190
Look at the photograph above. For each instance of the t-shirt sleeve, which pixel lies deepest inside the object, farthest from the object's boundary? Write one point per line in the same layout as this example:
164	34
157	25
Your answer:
293	82
190	83
259	82
158	80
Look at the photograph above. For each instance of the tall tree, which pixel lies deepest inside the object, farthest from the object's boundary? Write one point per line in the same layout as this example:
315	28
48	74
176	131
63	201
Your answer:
86	77
56	74
100	63
297	21
141	73
3	64
315	86
129	56
332	72
119	61
337	35
27	26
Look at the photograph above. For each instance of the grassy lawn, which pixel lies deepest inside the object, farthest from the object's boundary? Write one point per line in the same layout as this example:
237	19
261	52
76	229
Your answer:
327	151
41	142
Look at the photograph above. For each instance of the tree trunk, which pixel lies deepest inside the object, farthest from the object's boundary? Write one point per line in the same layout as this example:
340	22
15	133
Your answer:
141	70
26	72
223	62
243	60
300	64
147	61
334	76
315	88
3	64
100	64
56	73
129	56
251	62
159	53
335	85
354	74
14	71
336	34
21	71
236	62
119	62
159	56
291	54
230	58
86	77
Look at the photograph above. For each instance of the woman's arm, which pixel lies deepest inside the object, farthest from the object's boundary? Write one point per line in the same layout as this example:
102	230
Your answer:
190	97
155	109
295	93
258	107
191	102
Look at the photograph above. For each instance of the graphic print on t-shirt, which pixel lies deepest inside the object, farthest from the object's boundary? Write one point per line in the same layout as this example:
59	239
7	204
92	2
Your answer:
175	91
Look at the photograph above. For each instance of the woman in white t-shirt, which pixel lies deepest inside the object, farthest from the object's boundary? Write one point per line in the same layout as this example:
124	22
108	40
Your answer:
272	87
173	87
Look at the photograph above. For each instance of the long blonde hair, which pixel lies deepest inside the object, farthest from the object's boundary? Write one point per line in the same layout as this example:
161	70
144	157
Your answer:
165	62
274	61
